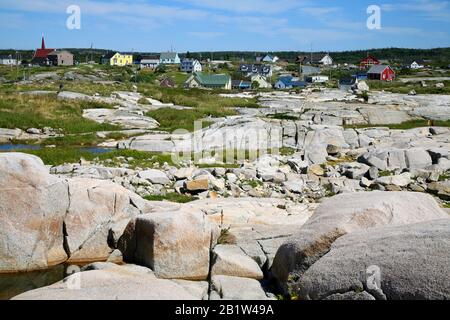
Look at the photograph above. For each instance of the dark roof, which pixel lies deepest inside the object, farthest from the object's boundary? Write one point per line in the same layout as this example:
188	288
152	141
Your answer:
316	58
288	82
255	68
369	57
168	55
7	57
377	69
148	58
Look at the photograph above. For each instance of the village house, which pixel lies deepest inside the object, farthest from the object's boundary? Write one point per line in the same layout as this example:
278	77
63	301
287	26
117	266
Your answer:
169	58
149	62
381	72
270	59
289	82
60	58
8	60
262	81
191	65
208	81
249	70
117	59
368	62
317	79
417	64
40	56
309	70
241	85
315	59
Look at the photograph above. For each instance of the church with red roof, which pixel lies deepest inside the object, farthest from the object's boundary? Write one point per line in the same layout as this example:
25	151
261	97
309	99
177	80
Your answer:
41	55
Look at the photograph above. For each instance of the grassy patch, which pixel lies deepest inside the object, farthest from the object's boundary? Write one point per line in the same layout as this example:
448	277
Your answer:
24	111
172	119
171	197
62	155
385	173
405	88
283	116
252	183
404	125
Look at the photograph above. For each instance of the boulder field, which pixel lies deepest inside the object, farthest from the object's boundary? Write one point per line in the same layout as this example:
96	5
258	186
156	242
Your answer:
365	245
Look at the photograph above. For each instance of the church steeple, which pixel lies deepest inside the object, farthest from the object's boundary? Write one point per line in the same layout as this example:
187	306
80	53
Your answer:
43	43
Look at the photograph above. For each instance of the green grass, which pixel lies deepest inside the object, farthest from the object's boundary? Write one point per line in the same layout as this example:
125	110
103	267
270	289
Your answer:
385	173
404	125
252	183
405	88
172	119
62	155
282	116
171	197
23	111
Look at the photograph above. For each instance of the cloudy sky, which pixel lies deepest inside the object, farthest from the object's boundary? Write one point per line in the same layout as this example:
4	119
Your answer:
212	25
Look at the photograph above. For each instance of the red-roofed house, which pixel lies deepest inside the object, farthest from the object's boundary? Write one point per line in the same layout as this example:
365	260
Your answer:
368	62
41	55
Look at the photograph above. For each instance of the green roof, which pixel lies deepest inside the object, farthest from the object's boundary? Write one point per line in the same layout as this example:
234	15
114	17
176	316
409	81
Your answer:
212	79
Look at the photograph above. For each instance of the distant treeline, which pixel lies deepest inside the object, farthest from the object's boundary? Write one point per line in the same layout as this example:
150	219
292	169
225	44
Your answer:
439	56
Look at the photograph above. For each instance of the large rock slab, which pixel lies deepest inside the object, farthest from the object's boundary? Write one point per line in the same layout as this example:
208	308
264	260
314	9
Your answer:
392	262
231	260
32	208
98	210
119	283
236	288
175	245
347	213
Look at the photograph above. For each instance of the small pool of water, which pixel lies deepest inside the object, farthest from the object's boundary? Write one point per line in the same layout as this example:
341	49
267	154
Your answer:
13	147
14	284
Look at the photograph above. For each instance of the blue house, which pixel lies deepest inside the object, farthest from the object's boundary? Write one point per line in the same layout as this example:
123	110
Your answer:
289	82
241	85
360	76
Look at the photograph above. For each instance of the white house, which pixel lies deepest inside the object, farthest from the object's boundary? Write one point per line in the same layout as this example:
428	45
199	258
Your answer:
8	60
326	60
416	65
317	79
191	65
169	58
271	59
262	81
151	62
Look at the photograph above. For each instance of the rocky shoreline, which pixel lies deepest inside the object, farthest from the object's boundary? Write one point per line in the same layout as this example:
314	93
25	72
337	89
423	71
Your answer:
218	248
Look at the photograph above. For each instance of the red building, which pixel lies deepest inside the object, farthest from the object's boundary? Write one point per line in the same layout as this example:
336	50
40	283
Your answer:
41	55
368	62
381	72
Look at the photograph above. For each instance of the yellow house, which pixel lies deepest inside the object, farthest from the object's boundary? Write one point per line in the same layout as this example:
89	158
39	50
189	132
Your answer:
118	59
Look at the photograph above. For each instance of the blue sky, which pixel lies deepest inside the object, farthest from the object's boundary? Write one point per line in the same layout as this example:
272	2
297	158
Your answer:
213	25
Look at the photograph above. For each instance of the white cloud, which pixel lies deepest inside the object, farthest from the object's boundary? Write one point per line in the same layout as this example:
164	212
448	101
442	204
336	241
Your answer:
430	9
